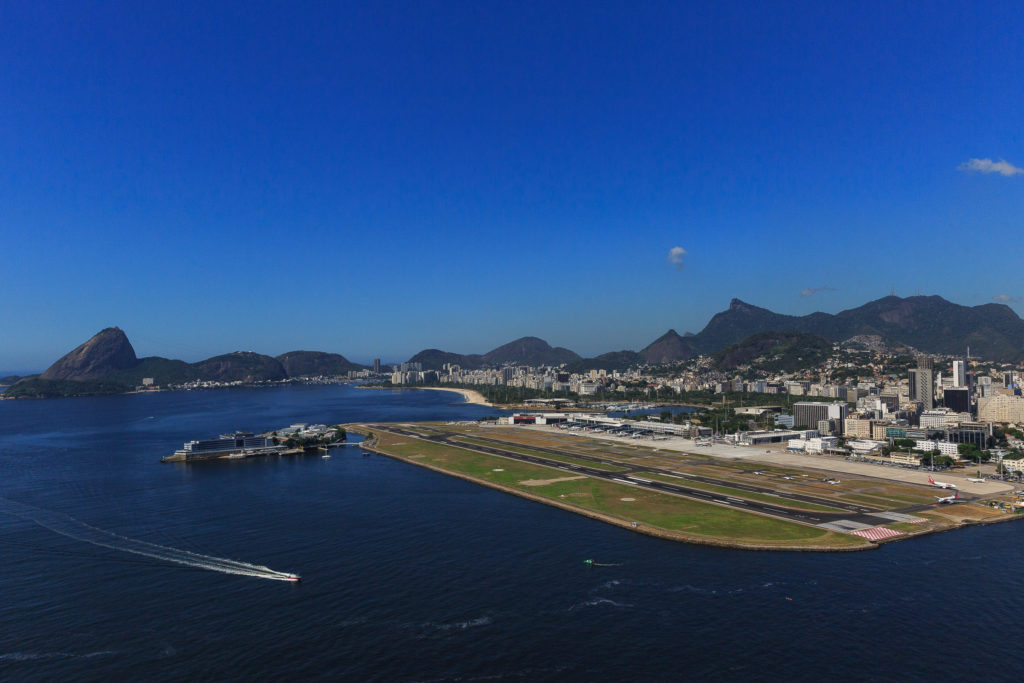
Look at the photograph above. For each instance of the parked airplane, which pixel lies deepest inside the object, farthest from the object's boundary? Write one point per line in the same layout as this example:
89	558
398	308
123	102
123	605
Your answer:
949	499
976	480
941	484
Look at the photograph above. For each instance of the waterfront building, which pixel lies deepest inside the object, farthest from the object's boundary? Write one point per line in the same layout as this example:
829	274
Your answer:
227	444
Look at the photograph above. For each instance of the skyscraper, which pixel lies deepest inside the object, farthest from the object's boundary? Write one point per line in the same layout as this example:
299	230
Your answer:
959	373
958	399
922	383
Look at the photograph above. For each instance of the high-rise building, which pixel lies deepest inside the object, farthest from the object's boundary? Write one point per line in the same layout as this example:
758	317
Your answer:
957	399
959	373
809	414
376	364
922	383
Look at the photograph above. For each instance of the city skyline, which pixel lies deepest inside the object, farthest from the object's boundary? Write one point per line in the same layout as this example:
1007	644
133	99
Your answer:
374	180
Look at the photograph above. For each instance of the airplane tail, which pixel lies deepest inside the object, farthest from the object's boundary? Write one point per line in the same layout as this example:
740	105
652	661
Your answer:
930	480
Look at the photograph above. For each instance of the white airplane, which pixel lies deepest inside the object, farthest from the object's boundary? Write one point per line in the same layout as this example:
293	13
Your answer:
941	484
949	499
976	480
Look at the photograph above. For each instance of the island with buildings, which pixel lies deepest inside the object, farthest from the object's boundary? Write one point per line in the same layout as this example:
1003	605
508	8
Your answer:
295	439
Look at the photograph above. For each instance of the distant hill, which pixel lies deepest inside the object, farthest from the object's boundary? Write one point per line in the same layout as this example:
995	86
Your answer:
241	366
613	360
529	351
523	351
162	370
315	363
436	359
928	323
668	348
776	352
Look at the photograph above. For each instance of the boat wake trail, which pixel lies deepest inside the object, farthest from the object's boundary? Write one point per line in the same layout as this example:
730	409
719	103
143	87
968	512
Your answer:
68	526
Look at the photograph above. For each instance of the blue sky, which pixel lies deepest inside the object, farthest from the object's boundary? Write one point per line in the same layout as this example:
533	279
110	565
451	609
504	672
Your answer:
374	179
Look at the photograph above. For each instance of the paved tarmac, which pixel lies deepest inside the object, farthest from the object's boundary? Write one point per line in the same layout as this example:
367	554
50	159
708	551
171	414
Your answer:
775	455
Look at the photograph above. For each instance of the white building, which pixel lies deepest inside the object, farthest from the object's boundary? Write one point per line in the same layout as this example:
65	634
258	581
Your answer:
944	447
865	446
942	417
820	444
959	374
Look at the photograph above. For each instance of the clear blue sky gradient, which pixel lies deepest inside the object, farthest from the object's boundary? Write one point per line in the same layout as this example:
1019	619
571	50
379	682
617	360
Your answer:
374	179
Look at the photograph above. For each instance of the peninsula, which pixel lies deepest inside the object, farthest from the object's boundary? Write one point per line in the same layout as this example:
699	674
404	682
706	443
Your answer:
755	499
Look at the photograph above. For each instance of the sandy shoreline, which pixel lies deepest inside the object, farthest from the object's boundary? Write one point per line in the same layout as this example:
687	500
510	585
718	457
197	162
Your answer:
470	395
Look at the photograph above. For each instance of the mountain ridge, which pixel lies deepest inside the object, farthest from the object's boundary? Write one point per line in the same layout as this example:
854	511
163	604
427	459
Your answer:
931	324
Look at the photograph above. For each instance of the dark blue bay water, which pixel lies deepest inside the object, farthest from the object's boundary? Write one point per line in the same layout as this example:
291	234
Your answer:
412	575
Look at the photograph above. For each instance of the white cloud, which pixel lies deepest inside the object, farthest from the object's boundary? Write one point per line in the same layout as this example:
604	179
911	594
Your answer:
675	257
1001	167
811	291
1006	298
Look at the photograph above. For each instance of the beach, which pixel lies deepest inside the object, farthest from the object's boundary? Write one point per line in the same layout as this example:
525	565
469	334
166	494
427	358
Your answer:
470	395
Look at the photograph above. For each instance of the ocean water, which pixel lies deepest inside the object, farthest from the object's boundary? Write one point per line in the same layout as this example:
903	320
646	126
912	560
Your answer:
411	575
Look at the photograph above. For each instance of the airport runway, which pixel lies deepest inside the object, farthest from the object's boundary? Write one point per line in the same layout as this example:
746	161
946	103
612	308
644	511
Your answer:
854	513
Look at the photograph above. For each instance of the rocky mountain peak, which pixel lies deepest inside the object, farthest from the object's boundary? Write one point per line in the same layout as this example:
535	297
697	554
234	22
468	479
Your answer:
108	351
